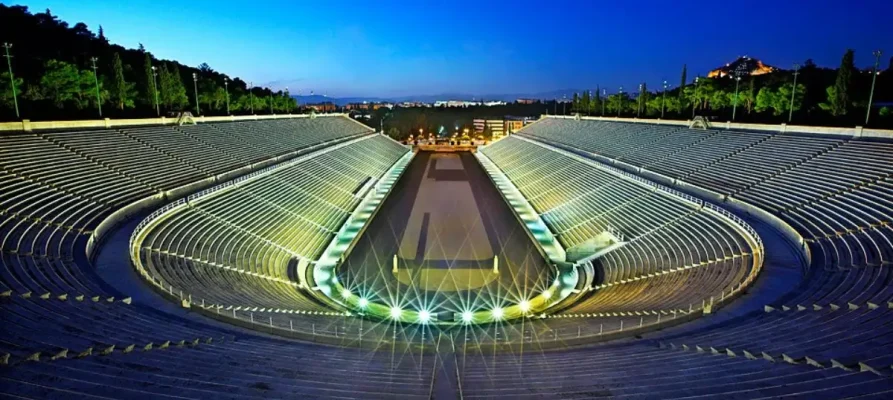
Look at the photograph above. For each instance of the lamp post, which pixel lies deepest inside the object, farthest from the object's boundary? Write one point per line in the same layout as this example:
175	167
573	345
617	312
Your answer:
12	82
620	101
663	102
198	108
226	89
735	105
155	89
287	101
604	100
564	105
639	102
96	80
877	60
793	91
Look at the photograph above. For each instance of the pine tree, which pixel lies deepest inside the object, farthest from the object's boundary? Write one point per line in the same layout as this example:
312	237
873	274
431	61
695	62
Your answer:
682	84
575	103
585	102
102	37
150	80
840	99
122	91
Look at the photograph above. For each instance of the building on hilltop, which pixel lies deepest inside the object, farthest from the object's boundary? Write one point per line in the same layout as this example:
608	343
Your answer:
743	67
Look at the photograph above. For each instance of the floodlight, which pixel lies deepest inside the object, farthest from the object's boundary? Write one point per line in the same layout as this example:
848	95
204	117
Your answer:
363	302
396	312
345	293
497	313
547	294
424	316
524	305
467	316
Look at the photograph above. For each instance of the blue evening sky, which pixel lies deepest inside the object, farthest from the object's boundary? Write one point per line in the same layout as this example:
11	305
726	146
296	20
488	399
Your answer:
389	48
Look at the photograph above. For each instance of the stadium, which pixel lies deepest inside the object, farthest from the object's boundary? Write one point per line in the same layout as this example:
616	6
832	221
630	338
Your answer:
310	256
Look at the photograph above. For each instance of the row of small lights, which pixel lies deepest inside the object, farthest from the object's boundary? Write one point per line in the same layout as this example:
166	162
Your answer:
425	315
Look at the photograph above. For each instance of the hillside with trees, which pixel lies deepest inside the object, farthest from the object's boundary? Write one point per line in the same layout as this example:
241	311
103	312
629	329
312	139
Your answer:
69	72
823	96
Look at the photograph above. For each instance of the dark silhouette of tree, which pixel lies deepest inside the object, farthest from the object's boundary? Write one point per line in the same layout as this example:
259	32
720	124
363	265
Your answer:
839	95
682	83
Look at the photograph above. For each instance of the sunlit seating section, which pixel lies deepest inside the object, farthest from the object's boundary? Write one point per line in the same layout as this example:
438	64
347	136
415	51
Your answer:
172	141
762	161
275	137
235	246
672	267
128	157
707	151
676	251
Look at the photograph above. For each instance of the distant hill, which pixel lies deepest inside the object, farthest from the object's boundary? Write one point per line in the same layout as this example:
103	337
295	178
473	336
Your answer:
744	66
507	97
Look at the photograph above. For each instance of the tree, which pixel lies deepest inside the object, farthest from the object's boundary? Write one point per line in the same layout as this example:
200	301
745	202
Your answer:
779	100
585	102
150	79
6	90
61	84
838	104
575	103
750	95
682	84
884	112
123	92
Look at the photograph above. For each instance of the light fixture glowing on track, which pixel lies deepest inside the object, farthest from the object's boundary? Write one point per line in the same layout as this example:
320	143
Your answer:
396	312
524	305
497	313
547	294
467	316
345	293
424	316
363	302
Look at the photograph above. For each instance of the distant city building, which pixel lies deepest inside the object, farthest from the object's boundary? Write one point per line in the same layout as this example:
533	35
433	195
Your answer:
525	101
515	123
743	67
323	107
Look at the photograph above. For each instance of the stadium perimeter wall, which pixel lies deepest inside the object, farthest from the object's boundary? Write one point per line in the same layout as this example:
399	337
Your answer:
856	132
28	125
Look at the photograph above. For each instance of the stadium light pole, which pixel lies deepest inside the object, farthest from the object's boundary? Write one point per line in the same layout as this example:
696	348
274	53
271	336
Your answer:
226	89
793	91
877	60
663	102
155	89
96	81
198	108
735	105
12	82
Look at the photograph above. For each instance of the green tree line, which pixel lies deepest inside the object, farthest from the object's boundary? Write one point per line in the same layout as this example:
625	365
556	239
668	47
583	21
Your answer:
821	96
68	72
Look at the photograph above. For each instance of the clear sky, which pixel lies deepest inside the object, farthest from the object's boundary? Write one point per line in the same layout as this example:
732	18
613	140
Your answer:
420	47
